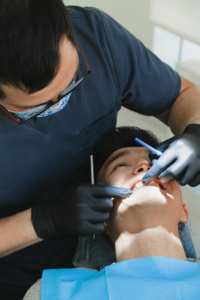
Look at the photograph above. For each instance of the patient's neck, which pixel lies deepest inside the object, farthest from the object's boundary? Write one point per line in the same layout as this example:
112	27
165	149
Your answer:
149	242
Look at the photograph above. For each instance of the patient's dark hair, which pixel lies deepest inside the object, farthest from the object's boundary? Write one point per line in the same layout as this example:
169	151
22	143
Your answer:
30	34
120	137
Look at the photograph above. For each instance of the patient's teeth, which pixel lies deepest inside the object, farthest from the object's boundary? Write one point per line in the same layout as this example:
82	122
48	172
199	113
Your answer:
139	185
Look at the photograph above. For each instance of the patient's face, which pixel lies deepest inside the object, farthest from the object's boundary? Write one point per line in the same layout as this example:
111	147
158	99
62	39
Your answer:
148	206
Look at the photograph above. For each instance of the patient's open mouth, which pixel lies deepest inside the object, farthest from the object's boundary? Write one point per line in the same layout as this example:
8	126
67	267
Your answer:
156	183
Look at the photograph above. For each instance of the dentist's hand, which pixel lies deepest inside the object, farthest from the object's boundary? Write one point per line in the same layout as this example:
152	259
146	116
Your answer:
180	160
81	210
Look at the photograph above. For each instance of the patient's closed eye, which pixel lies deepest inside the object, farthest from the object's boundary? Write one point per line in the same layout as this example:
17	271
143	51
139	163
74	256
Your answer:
121	164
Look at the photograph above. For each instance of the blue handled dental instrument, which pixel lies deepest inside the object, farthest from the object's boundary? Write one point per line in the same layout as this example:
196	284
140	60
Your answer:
92	175
158	153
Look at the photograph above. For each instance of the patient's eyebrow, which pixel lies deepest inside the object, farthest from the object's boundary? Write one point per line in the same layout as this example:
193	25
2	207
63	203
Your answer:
120	154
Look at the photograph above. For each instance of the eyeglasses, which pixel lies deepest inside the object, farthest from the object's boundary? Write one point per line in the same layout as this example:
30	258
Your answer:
63	94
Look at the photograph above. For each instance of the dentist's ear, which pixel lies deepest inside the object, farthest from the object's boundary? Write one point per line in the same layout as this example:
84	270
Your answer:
184	215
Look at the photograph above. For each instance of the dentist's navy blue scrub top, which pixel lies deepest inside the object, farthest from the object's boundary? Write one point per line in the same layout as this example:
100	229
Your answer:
41	158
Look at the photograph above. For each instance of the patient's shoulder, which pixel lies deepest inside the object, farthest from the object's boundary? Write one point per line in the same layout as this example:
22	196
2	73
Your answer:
34	293
197	260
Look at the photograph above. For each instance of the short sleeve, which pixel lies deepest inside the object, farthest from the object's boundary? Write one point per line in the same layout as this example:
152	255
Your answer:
145	83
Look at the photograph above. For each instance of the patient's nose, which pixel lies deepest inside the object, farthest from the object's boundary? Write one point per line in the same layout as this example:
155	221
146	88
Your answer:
144	167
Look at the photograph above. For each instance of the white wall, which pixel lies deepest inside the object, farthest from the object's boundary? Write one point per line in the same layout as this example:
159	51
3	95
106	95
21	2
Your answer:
178	16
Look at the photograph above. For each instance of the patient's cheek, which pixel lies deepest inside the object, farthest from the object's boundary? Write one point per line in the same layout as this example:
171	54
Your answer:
118	179
177	191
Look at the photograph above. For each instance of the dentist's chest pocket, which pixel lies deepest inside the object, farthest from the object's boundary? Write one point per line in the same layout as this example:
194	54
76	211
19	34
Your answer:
91	134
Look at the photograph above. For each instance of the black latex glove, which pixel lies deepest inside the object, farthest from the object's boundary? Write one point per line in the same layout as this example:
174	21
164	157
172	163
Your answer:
81	210
180	160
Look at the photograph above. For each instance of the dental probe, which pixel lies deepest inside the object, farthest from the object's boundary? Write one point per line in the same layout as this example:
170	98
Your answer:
92	169
157	152
92	175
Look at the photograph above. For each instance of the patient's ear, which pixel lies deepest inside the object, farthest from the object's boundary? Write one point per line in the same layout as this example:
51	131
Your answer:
184	215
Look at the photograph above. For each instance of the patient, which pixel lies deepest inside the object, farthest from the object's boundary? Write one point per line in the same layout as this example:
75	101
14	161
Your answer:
143	226
91	253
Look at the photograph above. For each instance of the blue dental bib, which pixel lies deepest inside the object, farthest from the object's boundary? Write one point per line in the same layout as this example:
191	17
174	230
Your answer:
147	278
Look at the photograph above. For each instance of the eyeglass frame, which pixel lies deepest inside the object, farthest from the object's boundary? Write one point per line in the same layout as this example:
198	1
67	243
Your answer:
51	103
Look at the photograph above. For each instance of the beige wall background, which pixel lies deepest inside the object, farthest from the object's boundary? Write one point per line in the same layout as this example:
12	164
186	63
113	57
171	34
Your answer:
135	16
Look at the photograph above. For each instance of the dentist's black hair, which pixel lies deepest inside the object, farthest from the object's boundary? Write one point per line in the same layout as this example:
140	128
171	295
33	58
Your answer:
30	35
120	137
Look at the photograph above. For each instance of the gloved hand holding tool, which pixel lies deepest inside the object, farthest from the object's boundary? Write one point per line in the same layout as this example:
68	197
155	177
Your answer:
180	160
81	210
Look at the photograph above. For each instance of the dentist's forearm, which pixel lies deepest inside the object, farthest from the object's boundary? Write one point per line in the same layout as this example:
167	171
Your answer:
185	110
16	233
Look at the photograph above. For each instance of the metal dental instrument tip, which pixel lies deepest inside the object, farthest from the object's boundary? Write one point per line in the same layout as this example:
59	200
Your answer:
92	175
157	152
